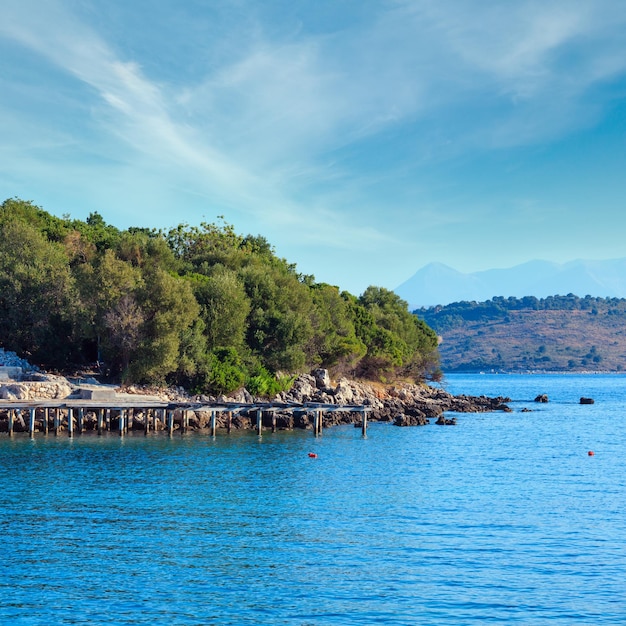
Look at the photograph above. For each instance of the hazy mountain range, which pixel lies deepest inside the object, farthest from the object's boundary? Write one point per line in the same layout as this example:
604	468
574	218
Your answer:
437	283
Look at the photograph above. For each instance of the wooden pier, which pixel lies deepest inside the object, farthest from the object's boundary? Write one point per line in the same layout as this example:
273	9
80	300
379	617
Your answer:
75	416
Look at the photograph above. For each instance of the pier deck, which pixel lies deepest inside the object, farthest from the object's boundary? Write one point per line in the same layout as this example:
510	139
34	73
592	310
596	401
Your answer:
124	414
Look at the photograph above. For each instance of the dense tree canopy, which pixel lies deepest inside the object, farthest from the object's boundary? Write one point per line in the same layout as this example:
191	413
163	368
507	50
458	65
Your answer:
200	306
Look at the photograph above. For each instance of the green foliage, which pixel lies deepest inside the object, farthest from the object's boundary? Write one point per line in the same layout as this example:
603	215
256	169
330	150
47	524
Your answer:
279	324
398	343
334	341
224	307
225	371
37	294
170	310
52	228
200	306
264	384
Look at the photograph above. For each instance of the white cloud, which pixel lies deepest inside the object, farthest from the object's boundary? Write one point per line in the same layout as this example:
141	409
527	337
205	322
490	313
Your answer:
275	127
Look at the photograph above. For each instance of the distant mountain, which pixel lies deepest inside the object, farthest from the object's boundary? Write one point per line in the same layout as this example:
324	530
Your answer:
437	283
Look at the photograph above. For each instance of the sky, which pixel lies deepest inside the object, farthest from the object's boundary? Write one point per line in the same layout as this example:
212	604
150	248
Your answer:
364	139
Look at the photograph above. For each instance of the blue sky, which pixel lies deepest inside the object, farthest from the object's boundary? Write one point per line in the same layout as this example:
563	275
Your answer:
363	139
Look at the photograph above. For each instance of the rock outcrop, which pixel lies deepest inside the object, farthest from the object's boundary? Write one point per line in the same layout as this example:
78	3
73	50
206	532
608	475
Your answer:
401	404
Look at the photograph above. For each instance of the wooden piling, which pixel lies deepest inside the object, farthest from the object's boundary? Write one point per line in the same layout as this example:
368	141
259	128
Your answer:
317	422
75	415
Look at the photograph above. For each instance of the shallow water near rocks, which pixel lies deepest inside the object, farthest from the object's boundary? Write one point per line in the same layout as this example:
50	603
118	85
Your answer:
501	518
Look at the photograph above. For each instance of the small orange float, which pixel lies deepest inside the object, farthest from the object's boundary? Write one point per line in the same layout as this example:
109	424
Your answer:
312	455
591	453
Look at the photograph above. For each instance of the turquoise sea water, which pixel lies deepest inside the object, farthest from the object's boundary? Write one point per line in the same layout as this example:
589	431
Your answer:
504	518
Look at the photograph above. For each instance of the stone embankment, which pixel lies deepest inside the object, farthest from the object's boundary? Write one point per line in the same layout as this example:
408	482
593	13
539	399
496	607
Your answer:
36	387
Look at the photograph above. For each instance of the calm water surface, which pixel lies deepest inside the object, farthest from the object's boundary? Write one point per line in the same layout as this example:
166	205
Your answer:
503	518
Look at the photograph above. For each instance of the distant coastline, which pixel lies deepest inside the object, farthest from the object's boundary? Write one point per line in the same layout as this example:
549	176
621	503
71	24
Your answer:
559	334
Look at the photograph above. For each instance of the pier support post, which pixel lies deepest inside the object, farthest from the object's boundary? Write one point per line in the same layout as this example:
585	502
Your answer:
57	421
213	423
273	421
70	423
46	417
107	419
170	423
146	421
364	423
259	422
100	420
31	423
81	423
11	421
230	421
317	422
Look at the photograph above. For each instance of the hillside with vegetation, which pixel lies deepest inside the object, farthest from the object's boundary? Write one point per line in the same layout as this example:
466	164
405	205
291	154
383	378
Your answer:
558	333
202	307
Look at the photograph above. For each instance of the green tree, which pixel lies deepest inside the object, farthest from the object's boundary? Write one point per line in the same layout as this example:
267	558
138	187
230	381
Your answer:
169	310
37	295
279	326
334	343
400	342
225	307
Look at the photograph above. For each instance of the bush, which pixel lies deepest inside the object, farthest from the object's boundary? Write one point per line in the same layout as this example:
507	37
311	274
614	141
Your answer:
265	384
225	371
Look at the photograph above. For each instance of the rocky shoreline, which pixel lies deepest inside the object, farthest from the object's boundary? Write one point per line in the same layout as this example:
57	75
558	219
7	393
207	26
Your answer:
400	404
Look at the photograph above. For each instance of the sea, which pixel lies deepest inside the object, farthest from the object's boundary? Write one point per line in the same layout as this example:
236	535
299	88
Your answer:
504	518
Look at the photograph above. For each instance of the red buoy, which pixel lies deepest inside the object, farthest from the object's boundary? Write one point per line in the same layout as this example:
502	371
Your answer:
591	453
312	455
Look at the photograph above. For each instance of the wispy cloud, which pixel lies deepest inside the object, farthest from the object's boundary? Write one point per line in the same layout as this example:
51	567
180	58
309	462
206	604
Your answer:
294	99
285	123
